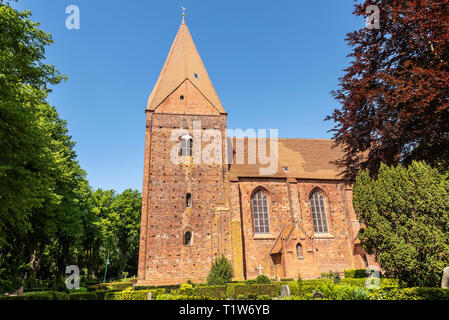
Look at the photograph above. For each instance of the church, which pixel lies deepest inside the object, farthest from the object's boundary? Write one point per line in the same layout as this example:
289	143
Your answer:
294	219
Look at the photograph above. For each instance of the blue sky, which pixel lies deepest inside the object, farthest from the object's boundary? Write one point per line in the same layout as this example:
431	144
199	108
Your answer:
272	63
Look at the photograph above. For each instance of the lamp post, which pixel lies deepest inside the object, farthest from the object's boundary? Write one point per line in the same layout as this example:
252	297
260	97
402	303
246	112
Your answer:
106	269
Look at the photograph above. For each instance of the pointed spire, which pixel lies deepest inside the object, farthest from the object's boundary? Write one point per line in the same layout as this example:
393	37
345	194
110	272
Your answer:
183	63
183	15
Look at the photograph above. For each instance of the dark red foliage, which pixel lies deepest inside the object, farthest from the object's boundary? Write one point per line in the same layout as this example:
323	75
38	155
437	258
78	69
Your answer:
395	94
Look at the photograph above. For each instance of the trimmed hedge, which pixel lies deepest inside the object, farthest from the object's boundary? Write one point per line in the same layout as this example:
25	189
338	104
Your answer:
83	296
167	288
133	294
214	292
355	273
179	297
411	294
235	289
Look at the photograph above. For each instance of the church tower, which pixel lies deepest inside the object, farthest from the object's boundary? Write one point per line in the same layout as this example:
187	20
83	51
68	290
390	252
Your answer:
185	216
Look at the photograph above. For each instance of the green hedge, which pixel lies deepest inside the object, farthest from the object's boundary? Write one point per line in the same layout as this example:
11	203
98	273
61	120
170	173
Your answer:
214	292
167	288
411	294
355	273
179	297
83	296
235	289
133	294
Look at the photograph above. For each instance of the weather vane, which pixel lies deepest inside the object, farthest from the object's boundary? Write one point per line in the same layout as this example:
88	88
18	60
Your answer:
183	13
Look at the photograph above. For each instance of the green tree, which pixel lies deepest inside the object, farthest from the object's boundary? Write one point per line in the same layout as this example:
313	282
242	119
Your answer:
406	214
221	272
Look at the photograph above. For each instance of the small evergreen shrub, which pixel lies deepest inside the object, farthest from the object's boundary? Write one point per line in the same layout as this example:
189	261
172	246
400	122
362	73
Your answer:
262	279
241	297
186	289
221	272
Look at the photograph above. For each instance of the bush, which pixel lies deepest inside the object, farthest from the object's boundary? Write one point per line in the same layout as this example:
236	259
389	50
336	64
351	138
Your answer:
167	288
333	275
262	279
133	294
179	297
214	292
411	294
221	272
235	289
83	296
241	297
355	273
186	289
332	291
252	296
37	296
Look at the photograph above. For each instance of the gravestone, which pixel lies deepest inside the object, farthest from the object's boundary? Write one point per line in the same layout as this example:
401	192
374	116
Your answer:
445	279
285	291
149	296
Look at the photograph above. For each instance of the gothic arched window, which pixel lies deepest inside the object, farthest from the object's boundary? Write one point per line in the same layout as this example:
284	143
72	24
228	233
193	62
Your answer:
260	212
299	251
186	145
318	212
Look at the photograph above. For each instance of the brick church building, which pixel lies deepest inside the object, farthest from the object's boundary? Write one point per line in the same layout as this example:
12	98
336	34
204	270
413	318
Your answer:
296	220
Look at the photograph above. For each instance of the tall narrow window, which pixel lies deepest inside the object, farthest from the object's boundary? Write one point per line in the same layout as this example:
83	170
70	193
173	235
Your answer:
299	251
260	212
188	238
186	145
318	212
188	200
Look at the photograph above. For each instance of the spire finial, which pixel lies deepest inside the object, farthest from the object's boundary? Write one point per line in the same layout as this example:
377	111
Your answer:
183	14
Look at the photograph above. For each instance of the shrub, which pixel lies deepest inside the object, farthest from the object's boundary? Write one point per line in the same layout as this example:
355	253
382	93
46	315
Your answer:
241	297
179	297
332	291
186	289
167	288
333	275
411	294
133	294
83	296
262	279
235	289
355	273
38	296
214	292
252	296
221	272
263	297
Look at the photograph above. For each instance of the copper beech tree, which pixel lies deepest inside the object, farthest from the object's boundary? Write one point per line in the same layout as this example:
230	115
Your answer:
395	93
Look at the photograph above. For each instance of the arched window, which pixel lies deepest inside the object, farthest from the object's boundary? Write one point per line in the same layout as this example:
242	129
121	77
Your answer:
188	200
299	251
318	212
187	238
260	212
186	145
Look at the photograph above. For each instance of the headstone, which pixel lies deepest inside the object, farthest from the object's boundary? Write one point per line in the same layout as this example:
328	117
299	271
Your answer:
285	291
445	279
318	295
149	296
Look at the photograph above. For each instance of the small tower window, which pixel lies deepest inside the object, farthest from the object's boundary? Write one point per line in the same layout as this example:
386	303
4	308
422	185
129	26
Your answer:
196	75
186	145
187	238
299	251
181	98
189	200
